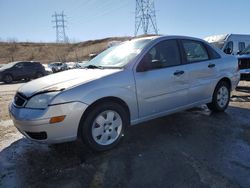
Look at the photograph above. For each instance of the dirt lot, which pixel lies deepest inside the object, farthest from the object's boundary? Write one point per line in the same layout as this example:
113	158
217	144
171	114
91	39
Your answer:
194	148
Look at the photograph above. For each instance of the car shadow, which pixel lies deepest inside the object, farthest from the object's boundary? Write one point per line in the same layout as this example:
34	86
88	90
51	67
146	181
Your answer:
14	82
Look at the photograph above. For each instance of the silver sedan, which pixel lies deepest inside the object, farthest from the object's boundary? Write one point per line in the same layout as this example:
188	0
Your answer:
133	82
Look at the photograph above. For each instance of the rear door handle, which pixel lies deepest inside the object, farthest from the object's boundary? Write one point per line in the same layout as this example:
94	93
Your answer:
211	65
178	73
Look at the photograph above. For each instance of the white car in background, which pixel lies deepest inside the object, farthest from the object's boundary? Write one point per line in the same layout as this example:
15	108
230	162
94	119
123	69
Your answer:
73	65
230	43
57	66
83	63
47	69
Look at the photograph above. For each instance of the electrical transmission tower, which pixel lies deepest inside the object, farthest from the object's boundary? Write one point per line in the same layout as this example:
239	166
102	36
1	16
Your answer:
145	17
59	20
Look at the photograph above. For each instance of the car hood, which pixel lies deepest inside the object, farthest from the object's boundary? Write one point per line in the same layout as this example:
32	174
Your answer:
64	80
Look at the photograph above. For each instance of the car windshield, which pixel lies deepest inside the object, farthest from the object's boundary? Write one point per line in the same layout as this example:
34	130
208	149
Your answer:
218	44
9	65
118	56
246	50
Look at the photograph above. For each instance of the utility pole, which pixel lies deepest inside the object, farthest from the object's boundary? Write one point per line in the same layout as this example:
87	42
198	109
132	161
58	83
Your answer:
145	17
59	20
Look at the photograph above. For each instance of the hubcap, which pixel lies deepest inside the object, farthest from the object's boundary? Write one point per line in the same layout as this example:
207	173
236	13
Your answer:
107	127
222	97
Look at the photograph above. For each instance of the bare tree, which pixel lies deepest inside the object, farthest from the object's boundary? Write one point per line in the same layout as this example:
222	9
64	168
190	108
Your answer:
12	48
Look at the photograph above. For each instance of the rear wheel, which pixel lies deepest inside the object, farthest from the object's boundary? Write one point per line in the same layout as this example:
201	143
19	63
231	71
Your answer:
27	79
8	78
221	97
39	75
104	126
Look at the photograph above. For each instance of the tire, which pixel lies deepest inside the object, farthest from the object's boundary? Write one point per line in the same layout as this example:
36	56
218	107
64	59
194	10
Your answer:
8	78
27	79
104	126
221	97
39	75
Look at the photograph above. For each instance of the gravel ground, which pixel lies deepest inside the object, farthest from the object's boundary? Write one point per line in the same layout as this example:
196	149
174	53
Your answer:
194	148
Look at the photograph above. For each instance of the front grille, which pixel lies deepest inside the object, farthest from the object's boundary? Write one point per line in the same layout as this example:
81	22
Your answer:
20	100
244	63
37	136
245	77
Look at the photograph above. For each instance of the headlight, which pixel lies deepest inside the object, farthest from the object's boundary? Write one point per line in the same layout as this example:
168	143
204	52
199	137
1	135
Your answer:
41	101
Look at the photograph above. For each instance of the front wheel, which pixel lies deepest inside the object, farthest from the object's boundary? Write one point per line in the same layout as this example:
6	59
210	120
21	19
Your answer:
8	79
104	126
221	97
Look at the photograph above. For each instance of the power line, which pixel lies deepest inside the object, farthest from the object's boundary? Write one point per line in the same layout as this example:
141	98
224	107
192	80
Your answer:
145	18
100	9
59	20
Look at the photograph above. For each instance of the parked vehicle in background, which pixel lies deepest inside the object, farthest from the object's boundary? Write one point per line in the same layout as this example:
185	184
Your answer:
47	69
21	70
92	56
229	43
244	64
109	45
113	43
133	82
83	63
73	65
57	66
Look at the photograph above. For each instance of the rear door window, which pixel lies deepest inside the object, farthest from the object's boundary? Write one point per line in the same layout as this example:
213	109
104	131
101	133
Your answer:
194	51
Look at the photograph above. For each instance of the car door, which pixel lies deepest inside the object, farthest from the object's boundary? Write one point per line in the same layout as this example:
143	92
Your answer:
161	80
201	69
18	70
29	70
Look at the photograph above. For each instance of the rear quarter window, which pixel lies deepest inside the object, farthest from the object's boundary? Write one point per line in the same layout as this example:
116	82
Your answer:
212	53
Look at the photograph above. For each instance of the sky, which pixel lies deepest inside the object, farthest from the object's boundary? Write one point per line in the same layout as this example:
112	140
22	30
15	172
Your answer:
31	20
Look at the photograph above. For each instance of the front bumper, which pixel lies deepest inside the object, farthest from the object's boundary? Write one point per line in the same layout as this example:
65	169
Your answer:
245	74
35	124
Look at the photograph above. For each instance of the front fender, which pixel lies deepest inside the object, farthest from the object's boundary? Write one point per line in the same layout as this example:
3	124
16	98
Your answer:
120	85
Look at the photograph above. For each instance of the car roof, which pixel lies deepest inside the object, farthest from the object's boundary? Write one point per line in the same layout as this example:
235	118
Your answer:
15	62
154	37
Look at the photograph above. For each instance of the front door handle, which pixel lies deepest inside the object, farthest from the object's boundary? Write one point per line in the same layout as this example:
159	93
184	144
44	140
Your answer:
178	73
211	65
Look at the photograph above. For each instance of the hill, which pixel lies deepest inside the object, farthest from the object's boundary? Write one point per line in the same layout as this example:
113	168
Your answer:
51	52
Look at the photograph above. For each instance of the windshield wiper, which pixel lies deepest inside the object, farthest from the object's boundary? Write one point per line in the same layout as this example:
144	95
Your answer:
93	67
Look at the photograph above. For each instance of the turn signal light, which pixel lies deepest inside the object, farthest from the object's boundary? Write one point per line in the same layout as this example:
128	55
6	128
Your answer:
56	119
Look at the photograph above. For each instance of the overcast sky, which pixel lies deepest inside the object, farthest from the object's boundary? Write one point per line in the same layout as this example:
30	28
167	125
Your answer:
30	20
